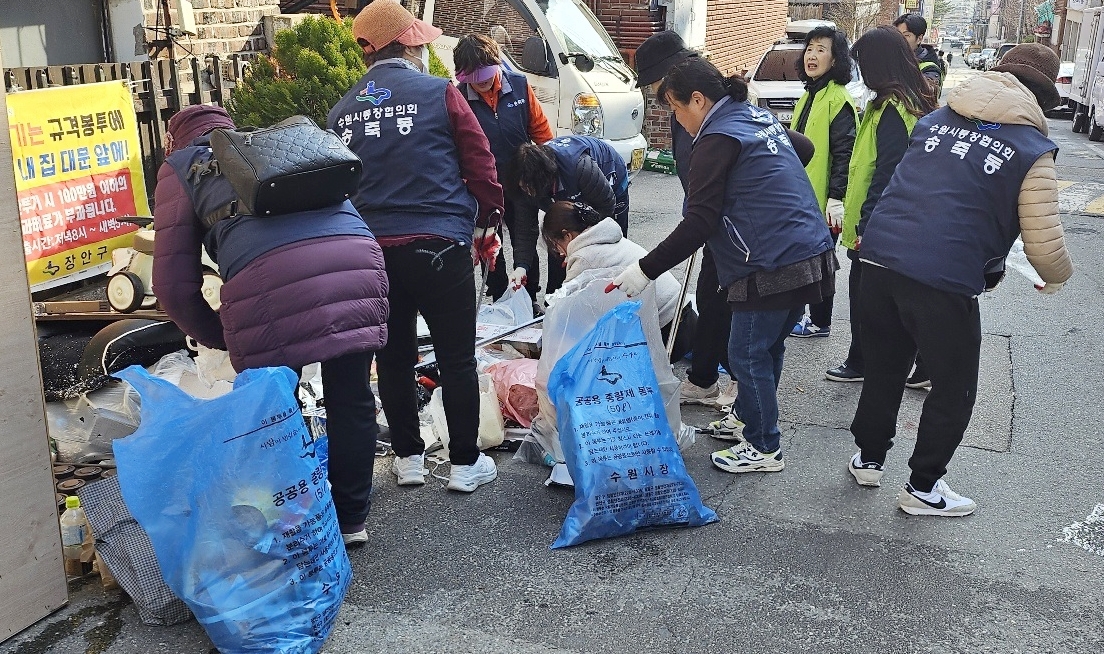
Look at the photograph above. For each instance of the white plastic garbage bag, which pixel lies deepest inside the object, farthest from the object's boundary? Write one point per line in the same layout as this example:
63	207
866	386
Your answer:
491	425
510	310
572	312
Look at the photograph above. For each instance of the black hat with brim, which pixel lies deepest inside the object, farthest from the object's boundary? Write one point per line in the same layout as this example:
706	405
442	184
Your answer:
657	55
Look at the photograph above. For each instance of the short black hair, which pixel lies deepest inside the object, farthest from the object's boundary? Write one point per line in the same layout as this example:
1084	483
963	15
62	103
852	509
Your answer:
534	169
914	23
841	54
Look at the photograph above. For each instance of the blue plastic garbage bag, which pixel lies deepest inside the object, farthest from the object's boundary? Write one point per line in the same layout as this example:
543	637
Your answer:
236	505
617	443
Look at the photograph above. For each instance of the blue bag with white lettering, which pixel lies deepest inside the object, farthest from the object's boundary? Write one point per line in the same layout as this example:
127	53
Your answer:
236	505
616	440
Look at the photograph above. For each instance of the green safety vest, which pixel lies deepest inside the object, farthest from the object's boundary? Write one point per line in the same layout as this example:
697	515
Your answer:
863	159
925	65
826	105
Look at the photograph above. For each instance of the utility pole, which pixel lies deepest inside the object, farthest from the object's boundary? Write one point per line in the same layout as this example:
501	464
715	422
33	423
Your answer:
1019	23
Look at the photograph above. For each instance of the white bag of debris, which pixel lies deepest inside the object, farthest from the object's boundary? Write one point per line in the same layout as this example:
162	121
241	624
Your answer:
573	311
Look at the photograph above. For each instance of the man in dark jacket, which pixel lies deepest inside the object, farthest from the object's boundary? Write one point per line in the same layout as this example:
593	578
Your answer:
299	288
913	27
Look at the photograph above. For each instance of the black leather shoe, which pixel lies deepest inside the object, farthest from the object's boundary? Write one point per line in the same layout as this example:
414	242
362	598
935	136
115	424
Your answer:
843	374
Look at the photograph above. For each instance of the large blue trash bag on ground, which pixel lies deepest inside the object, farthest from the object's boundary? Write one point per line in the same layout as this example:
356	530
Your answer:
616	440
236	505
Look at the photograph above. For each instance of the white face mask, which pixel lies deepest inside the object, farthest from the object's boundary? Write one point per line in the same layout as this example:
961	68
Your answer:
425	58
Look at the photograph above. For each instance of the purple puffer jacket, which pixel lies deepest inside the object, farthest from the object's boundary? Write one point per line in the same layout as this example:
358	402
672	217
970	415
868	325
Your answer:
309	301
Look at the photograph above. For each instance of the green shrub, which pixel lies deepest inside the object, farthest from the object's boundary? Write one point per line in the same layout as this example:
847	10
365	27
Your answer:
312	65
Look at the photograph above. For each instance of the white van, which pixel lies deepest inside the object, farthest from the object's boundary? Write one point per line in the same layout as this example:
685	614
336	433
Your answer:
1086	62
575	70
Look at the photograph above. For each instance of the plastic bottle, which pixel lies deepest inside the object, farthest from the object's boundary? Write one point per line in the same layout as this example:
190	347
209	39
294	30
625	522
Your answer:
74	526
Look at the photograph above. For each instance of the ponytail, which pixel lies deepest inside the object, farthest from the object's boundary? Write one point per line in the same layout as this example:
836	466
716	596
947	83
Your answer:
737	86
568	217
697	74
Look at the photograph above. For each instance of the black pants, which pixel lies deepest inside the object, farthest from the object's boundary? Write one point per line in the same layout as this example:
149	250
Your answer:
899	316
351	429
684	337
820	314
435	278
854	359
710	344
520	218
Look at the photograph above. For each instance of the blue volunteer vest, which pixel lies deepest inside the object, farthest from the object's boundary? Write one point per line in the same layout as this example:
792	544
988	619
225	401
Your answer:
235	241
506	128
568	149
770	217
396	121
948	238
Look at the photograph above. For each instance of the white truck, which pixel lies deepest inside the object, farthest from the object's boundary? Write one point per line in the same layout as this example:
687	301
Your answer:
575	70
1086	64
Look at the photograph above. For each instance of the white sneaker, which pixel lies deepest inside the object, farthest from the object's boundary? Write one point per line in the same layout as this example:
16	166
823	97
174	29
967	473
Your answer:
727	398
694	394
728	428
410	470
743	457
940	501
356	538
866	473
468	478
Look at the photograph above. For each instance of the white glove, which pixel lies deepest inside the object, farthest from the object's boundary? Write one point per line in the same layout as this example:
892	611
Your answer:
834	214
1050	289
632	281
518	278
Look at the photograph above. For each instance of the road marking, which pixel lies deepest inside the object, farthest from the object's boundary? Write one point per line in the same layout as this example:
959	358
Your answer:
1080	197
1088	535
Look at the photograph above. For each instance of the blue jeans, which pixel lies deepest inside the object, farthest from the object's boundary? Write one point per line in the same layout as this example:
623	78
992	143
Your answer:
756	344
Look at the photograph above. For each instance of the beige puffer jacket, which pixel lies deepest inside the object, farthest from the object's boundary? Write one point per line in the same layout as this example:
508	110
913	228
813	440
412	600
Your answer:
1001	98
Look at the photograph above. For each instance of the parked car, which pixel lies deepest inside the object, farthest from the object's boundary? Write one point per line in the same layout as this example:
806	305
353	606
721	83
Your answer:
775	84
982	62
1001	51
1063	82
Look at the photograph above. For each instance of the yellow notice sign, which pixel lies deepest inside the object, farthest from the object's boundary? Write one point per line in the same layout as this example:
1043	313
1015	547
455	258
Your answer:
78	167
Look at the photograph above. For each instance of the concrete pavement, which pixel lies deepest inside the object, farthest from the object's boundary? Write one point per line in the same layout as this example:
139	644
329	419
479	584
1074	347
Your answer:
801	561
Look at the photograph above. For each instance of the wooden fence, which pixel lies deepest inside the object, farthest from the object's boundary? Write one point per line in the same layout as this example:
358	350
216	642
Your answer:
159	87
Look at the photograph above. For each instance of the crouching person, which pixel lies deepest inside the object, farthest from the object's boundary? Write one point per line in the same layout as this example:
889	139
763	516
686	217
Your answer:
299	288
932	254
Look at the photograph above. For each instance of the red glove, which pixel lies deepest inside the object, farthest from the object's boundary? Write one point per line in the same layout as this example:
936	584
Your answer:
485	246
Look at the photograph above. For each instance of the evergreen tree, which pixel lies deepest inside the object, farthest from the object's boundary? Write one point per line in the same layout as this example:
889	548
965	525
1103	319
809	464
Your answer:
312	65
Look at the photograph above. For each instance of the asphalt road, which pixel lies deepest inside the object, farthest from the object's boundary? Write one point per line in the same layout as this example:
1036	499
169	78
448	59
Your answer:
801	561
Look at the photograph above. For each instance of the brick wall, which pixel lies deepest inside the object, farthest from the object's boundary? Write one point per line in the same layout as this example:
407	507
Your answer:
458	18
222	26
738	32
657	122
